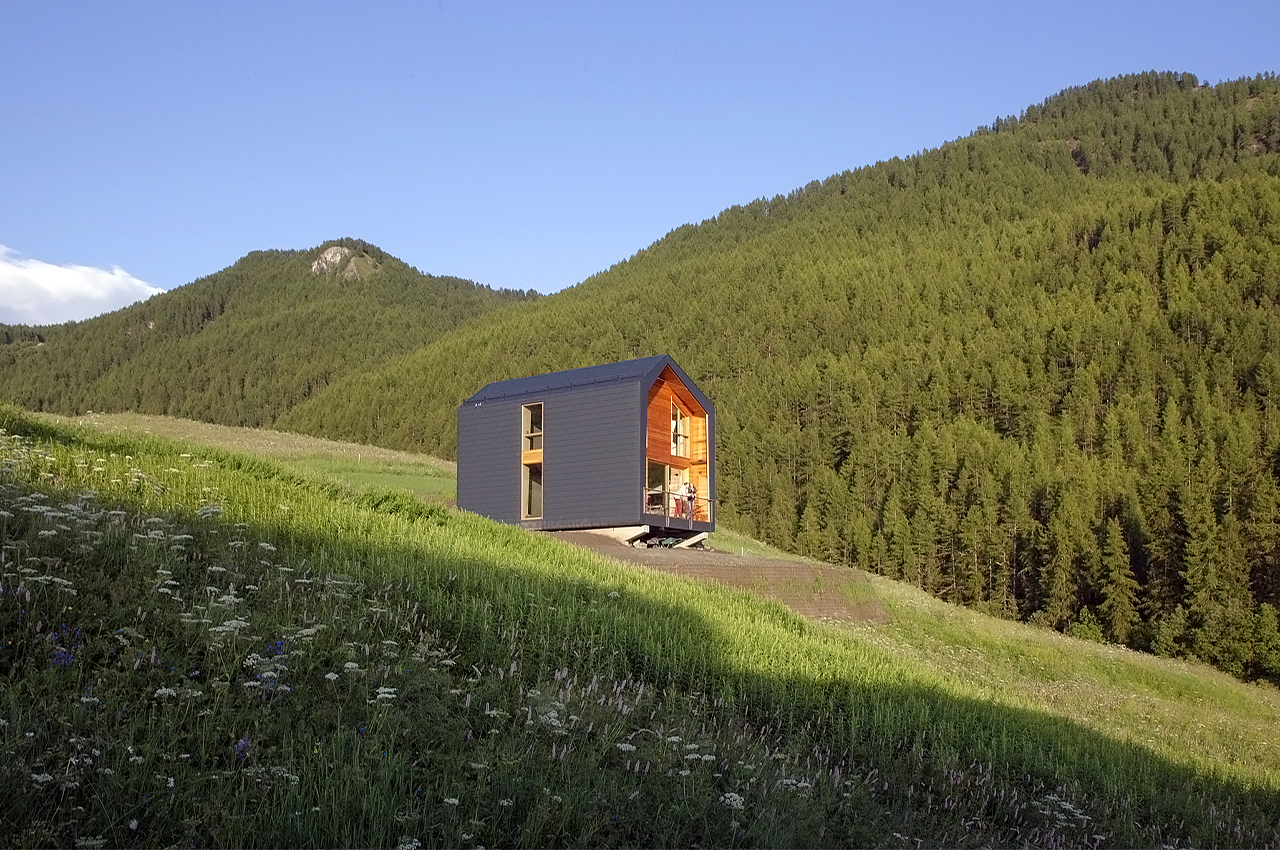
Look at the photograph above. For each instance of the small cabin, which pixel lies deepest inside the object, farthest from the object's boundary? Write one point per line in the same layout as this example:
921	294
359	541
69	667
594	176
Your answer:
628	447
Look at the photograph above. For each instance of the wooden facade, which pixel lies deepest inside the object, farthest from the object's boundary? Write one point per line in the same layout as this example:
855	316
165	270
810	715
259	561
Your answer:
605	446
683	455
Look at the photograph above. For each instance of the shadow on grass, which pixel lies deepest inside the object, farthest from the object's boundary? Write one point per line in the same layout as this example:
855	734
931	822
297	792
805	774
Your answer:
1021	772
942	768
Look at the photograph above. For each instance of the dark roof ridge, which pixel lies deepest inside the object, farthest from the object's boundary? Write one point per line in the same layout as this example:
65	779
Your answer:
623	370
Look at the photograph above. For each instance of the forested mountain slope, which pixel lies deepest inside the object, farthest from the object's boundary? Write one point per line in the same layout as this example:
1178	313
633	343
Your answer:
241	346
1036	370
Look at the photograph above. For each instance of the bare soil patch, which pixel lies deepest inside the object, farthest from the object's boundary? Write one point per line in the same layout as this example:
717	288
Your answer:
820	592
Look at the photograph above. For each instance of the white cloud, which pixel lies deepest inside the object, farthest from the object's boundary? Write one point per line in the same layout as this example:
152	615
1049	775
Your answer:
37	293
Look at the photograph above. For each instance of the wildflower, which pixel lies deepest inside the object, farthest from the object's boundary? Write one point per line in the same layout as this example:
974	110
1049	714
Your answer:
241	747
41	778
451	801
331	676
625	747
731	800
164	693
506	803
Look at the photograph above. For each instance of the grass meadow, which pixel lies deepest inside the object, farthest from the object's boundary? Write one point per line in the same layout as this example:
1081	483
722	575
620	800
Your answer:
211	648
428	478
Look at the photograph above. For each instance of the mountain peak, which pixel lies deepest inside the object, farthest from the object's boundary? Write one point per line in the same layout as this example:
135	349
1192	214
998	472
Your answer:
340	256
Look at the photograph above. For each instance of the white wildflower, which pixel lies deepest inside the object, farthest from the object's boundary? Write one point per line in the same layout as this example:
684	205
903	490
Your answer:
731	800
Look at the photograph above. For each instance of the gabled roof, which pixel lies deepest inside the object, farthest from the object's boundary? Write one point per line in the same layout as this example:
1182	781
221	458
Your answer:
627	370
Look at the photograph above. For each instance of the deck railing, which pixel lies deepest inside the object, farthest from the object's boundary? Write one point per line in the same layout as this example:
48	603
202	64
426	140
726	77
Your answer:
676	507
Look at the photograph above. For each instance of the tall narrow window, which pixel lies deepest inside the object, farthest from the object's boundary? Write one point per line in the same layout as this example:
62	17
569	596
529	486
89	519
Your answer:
679	431
532	426
531	504
531	461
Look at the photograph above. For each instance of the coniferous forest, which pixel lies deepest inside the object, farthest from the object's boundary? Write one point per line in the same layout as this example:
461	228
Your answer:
1035	371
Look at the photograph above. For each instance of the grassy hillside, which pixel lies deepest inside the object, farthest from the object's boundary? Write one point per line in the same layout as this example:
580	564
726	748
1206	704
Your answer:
1034	371
204	648
351	464
242	346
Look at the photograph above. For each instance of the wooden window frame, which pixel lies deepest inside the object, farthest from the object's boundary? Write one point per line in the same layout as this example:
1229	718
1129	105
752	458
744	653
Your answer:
526	490
680	426
531	441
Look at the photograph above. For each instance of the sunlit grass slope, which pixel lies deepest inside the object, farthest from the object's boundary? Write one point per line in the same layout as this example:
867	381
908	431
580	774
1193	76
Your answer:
356	465
205	648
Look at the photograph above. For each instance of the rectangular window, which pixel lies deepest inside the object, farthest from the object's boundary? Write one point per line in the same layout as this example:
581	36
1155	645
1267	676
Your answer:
532	414
531	486
656	490
679	432
664	491
531	461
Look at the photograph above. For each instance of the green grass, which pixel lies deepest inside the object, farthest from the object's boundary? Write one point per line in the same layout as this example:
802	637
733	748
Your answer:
423	479
350	464
205	648
735	543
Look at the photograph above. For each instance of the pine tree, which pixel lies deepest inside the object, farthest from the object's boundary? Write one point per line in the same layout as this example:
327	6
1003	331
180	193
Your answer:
1119	607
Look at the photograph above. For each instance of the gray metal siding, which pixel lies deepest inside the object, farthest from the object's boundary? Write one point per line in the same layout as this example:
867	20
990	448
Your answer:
590	473
489	460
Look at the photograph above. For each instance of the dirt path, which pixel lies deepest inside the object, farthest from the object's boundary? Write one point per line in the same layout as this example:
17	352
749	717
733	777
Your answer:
819	592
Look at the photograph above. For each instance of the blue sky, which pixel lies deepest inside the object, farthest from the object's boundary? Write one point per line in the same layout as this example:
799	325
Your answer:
521	145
